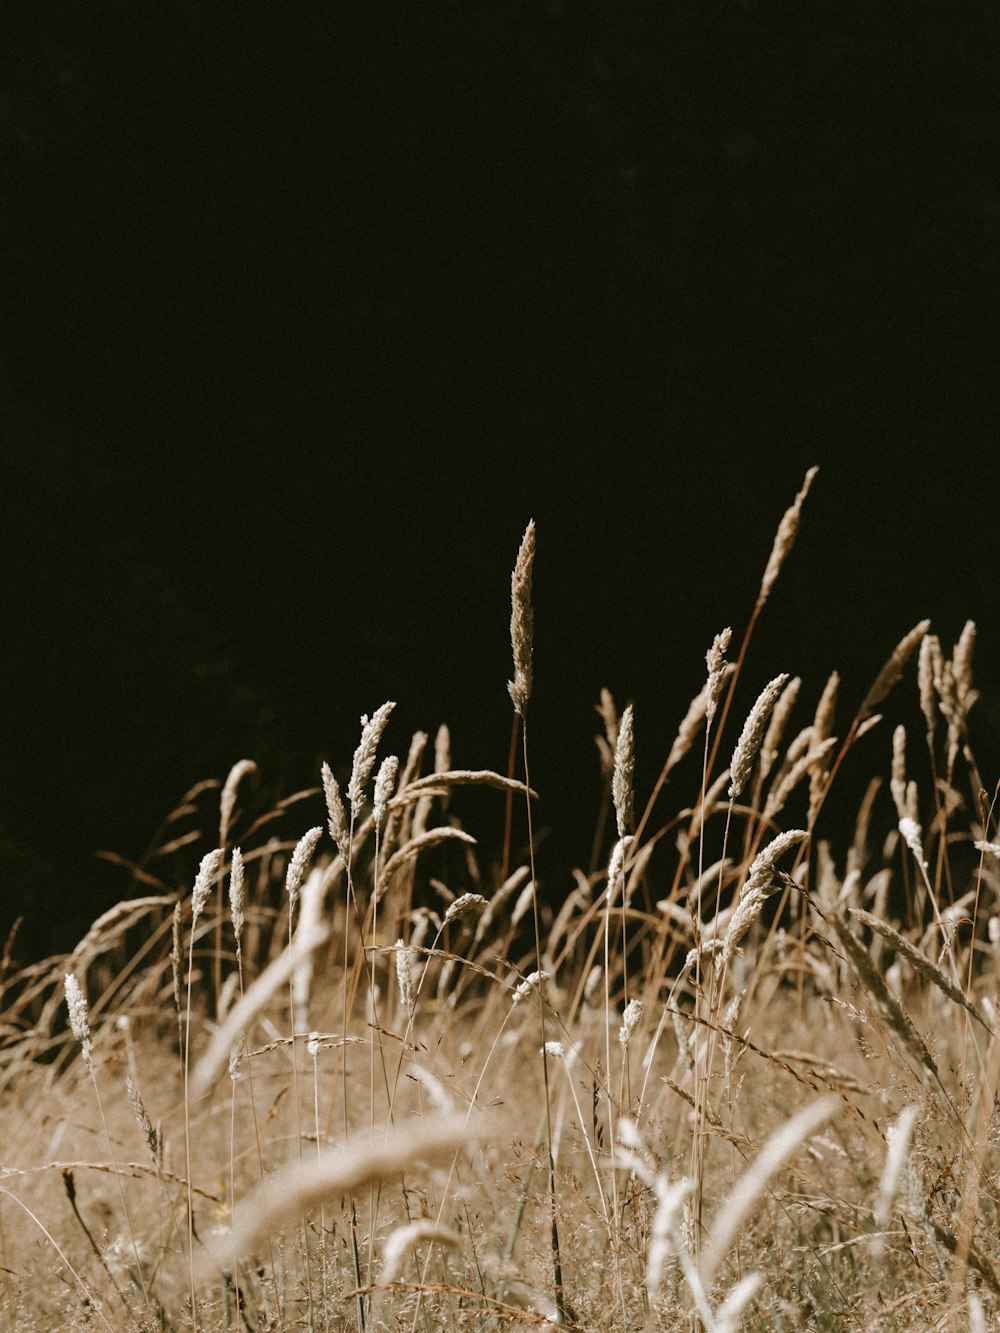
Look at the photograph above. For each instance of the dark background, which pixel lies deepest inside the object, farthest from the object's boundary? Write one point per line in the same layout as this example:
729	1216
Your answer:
308	308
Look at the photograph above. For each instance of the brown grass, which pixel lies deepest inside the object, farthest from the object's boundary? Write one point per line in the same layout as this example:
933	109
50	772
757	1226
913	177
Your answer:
766	1102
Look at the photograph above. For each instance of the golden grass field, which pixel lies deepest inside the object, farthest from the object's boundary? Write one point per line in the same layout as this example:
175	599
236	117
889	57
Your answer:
351	1074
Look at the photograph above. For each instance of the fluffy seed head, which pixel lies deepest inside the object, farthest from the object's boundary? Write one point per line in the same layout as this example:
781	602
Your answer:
630	1021
609	716
299	864
300	1188
236	1058
152	1136
784	539
777	725
340	830
524	900
961	661
752	735
442	755
762	865
522	621
664	1237
385	781
529	983
913	837
826	708
928	669
897	782
412	1233
729	1316
469	904
404	978
693	718
78	1020
715	659
897	1136
310	916
237	896
207	872
734	1210
275	975
617	862
888	678
621	782
364	755
227	801
762	880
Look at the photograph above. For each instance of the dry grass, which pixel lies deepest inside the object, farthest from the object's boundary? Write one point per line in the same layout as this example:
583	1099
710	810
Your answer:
703	1091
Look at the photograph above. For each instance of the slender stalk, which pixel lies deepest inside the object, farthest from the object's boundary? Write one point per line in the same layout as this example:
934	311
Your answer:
187	1131
554	1222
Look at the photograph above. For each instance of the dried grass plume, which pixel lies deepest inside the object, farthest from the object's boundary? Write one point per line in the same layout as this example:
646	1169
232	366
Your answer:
522	621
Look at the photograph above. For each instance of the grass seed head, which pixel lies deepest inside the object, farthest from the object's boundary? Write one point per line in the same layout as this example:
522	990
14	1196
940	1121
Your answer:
734	1210
340	830
151	1135
385	781
524	901
404	978
630	1021
412	1233
961	662
303	1186
777	725
826	708
624	771
913	837
928	669
715	660
469	904
752	735
78	1018
897	782
888	678
522	621
609	716
617	863
529	983
784	539
364	756
898	1136
236	1058
299	864
237	896
207	872
227	801
665	1234
690	725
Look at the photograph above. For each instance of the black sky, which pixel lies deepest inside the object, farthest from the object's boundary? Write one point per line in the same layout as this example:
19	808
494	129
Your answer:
307	309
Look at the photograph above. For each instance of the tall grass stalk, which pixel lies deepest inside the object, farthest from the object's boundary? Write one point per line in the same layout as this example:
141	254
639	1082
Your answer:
522	647
237	907
207	872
